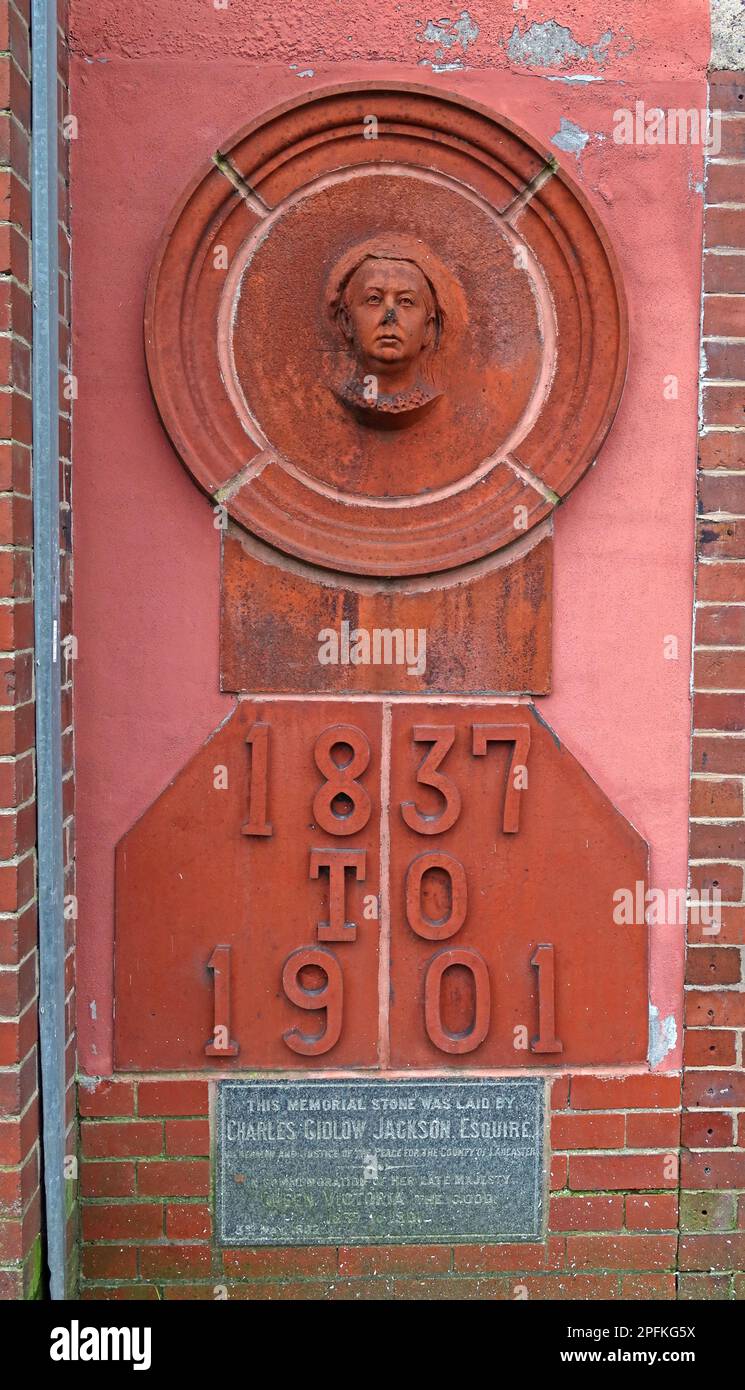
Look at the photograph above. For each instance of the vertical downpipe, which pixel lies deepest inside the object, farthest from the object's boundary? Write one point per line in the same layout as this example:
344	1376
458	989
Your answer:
45	277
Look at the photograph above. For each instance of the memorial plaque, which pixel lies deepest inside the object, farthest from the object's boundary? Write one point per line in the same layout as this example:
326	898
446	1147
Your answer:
375	1162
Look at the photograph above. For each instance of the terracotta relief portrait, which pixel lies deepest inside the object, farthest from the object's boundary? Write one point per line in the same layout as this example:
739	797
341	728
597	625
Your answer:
380	363
384	301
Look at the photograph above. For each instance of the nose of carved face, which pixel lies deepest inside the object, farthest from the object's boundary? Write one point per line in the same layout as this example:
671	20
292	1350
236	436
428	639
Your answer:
390	316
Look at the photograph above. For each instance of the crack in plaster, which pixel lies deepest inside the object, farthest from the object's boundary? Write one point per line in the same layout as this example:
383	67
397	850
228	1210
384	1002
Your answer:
251	197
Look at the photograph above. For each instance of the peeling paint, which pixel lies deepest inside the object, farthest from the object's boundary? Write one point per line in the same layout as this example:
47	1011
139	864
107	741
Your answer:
550	45
571	78
663	1036
447	34
570	137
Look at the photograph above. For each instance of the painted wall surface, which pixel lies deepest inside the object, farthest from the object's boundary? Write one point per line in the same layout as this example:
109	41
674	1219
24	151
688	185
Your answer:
157	89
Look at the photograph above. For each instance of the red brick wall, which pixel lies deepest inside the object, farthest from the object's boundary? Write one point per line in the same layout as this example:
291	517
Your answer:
146	1227
20	1193
712	1244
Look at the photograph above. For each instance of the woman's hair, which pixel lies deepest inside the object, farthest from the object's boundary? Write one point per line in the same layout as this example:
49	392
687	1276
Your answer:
389	248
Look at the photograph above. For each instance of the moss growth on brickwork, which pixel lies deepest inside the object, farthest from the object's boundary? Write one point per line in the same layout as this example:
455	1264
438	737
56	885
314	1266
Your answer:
32	1271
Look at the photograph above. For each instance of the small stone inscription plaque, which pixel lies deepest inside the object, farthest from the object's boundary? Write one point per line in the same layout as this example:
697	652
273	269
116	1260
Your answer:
373	1162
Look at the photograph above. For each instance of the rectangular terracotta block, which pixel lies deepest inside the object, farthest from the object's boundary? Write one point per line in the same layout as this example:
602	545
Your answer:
724	274
489	1258
186	1137
174	1262
724	226
491	630
708	1211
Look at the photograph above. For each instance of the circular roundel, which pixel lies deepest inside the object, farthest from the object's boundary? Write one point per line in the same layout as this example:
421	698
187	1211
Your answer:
385	331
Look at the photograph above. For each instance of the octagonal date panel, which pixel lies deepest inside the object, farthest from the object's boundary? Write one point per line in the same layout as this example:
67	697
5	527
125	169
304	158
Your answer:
251	912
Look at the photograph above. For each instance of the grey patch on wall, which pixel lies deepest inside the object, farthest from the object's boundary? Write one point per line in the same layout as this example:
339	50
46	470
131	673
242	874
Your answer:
727	35
570	137
549	45
446	35
663	1035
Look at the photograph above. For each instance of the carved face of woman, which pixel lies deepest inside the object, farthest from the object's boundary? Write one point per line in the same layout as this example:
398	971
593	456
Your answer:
389	316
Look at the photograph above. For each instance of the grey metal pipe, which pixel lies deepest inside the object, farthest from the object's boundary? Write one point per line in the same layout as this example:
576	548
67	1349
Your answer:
45	270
